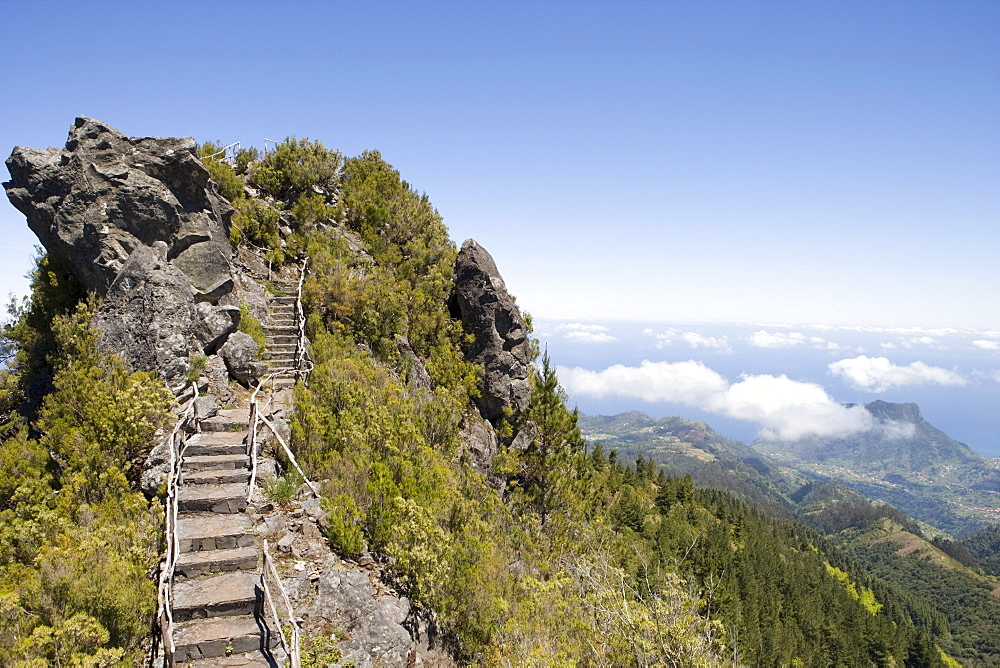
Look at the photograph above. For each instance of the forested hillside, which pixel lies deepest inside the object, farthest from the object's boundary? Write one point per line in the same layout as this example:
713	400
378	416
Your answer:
950	585
444	449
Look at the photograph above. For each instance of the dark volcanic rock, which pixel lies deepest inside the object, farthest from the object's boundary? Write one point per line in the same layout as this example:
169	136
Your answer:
481	442
148	315
140	223
240	355
501	338
104	195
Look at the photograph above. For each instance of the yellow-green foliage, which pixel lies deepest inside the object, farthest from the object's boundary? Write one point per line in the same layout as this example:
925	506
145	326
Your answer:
295	166
311	208
499	575
255	222
230	184
861	594
76	542
251	325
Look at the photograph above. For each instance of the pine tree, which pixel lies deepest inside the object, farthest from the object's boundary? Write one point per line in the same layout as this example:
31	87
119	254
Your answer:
552	461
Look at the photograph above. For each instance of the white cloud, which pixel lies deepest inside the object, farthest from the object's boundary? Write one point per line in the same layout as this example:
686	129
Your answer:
696	340
786	409
922	342
894	430
878	374
590	337
983	344
987	375
580	333
687	382
765	339
693	339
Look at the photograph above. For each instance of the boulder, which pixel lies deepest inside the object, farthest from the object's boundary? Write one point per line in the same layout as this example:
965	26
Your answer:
218	379
239	352
104	195
413	370
500	342
148	315
205	407
481	442
214	324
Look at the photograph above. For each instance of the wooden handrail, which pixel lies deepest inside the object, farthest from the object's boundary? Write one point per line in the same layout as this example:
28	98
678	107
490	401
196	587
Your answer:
164	614
300	340
292	649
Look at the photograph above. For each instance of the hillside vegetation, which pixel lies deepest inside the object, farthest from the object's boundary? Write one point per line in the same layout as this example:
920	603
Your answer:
949	585
555	553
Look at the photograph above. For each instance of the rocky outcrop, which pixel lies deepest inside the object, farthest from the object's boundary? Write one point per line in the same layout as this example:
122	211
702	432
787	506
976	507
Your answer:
240	354
480	441
139	222
93	203
500	341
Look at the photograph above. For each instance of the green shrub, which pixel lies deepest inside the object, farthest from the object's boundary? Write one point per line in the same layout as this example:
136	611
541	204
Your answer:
251	325
345	520
230	184
311	208
283	489
257	223
197	367
295	166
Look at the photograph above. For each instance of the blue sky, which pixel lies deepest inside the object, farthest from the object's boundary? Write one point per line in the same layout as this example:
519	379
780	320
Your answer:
755	162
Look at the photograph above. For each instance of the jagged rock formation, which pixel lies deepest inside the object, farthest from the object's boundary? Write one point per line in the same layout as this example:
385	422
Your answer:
501	344
139	222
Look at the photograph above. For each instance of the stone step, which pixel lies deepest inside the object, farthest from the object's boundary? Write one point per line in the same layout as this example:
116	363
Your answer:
228	498
218	637
215	443
231	419
214	532
279	359
214	462
281	330
193	564
281	339
216	477
282	348
273	658
229	594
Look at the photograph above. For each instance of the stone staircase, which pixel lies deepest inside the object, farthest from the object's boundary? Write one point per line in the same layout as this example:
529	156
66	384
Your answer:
281	332
217	601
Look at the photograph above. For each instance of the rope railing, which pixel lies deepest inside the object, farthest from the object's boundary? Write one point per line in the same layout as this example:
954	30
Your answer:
228	153
164	613
257	417
300	342
291	648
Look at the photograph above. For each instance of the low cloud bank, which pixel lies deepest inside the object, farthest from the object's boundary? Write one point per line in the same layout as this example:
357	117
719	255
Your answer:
785	409
765	339
878	374
693	339
581	333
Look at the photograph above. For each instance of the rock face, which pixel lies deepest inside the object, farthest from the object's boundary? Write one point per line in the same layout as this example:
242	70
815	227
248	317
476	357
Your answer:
139	222
501	338
104	195
148	314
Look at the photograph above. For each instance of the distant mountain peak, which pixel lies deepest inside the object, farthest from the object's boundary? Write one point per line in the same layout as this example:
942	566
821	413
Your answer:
885	410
